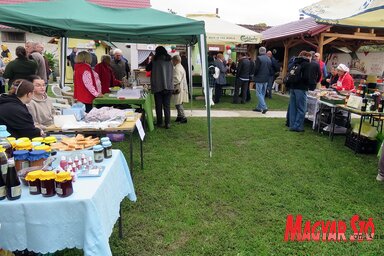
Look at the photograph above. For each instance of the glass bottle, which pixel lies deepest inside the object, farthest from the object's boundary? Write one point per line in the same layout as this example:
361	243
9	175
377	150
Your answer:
13	182
3	190
3	163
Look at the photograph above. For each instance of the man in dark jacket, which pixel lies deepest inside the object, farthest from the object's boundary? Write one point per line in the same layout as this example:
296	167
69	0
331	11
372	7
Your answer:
310	74
274	70
263	67
221	80
242	79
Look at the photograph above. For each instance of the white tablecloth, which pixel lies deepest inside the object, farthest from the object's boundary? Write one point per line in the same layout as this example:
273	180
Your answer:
83	220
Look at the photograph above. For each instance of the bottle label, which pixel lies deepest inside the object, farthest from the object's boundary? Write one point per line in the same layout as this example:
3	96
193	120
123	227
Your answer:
99	156
3	191
59	191
24	164
16	191
43	191
109	152
4	169
33	189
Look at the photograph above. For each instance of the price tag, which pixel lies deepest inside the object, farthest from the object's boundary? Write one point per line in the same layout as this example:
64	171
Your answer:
140	129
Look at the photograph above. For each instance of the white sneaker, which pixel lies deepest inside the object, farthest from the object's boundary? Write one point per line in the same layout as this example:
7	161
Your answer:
379	177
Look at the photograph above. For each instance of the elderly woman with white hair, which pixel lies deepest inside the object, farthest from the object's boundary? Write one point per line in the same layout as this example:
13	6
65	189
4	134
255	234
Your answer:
105	72
345	81
180	93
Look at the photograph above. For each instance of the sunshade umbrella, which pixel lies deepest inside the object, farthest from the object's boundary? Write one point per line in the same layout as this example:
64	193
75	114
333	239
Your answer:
360	13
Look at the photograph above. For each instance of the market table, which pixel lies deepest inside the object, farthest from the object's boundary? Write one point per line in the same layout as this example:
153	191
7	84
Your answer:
362	115
144	103
128	127
83	220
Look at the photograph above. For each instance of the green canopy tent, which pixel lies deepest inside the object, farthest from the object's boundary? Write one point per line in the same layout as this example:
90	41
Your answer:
82	19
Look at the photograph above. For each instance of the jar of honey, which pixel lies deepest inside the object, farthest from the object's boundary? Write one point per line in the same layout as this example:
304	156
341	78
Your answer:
37	157
21	159
23	139
48	187
33	179
98	153
49	140
64	184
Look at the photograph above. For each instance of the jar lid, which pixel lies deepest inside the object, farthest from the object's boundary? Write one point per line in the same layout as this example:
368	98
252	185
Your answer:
46	148
50	139
63	176
38	139
37	152
24	145
2	149
48	176
23	139
32	176
10	139
3	131
104	139
107	144
36	143
97	147
20	152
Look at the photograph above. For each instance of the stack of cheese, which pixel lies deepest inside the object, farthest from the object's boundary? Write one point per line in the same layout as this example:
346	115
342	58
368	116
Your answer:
75	143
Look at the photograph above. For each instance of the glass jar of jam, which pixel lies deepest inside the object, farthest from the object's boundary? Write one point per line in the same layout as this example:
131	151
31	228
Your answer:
364	106
47	180
24	145
49	140
37	157
98	152
21	159
33	179
64	184
107	145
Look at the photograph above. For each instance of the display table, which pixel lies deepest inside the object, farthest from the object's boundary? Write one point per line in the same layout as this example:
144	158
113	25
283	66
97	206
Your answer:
144	103
83	220
128	128
362	114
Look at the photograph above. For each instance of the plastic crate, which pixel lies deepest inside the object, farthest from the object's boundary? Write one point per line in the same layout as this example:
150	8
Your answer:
365	145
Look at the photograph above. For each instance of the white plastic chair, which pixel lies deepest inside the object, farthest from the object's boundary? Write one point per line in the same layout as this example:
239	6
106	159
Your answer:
59	93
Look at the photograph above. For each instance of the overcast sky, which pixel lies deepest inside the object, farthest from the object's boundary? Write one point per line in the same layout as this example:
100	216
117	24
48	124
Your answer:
271	12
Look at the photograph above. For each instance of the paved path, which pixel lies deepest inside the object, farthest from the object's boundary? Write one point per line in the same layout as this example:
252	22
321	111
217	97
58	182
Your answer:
231	113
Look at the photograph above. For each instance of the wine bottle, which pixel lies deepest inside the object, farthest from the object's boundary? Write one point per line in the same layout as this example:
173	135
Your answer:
3	190
13	182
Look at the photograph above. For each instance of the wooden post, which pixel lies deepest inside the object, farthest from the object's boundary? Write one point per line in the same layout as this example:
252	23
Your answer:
285	62
320	46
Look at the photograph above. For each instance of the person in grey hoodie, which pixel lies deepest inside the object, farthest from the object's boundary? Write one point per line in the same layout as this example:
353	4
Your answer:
162	85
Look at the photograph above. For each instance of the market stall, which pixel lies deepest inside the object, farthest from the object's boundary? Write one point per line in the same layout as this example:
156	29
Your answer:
83	220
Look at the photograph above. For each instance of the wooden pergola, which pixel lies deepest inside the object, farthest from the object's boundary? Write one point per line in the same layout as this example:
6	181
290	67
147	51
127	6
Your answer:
319	37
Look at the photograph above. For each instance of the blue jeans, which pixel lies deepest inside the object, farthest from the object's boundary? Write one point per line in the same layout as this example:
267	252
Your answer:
260	94
297	109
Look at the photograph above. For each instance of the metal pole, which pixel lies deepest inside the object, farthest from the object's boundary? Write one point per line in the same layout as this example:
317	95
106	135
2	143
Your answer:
189	56
203	56
63	60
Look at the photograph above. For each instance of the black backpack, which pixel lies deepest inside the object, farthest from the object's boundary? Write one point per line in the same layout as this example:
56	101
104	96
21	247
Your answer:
293	75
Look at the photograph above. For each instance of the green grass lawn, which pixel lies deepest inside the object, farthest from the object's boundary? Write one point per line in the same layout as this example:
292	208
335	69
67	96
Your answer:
236	202
277	102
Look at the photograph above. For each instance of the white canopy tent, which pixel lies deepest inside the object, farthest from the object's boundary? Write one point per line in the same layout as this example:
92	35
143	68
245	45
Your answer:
360	13
219	31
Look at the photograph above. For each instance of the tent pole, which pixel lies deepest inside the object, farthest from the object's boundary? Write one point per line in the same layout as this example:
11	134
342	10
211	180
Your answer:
63	60
204	80
189	53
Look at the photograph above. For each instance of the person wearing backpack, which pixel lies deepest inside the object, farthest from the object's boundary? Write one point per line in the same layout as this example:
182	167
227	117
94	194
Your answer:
305	77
